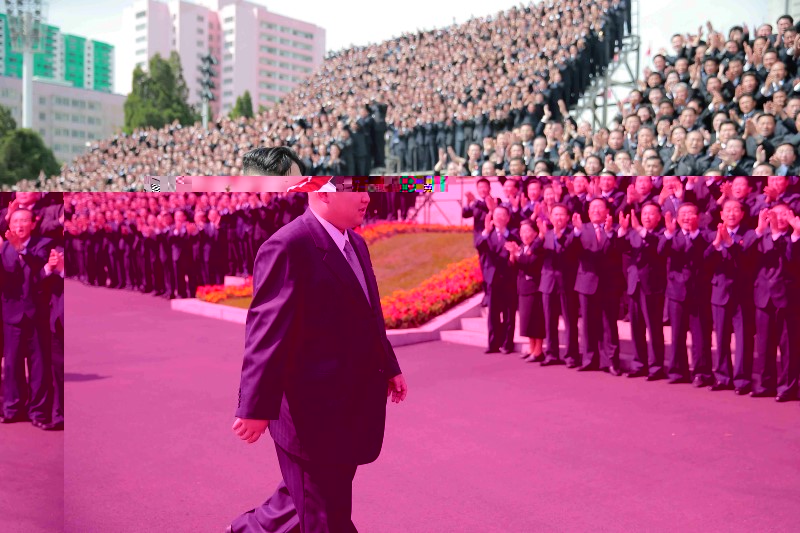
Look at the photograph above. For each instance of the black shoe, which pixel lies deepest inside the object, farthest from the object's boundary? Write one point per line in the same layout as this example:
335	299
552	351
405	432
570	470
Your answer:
506	350
491	350
48	426
785	397
524	355
588	368
741	391
674	381
762	394
613	370
719	386
572	364
641	373
699	381
657	376
13	419
536	359
552	361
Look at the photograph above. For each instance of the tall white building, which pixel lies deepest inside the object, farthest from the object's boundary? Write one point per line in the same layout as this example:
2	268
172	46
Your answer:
257	50
65	116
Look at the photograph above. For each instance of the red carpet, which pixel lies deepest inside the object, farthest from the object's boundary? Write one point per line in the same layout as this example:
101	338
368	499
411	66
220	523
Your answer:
483	443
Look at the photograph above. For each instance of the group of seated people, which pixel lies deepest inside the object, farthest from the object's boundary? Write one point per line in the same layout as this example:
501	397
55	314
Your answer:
709	255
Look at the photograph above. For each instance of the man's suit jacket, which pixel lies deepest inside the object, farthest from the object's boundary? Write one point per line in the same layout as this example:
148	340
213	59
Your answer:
478	211
648	264
599	263
316	359
529	272
55	287
732	269
497	268
22	293
688	277
560	260
777	277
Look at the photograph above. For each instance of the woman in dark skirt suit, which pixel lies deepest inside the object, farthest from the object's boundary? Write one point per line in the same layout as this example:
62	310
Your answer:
531	310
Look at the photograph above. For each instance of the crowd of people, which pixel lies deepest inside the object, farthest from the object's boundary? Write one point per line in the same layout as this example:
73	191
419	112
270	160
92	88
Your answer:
709	255
32	308
168	244
432	89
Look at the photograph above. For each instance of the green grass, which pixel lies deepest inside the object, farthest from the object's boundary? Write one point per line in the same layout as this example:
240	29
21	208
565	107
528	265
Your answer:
405	261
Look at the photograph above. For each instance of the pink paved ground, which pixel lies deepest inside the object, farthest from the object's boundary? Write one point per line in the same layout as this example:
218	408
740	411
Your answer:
483	443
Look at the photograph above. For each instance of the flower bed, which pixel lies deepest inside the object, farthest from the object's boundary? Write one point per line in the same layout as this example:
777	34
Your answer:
403	308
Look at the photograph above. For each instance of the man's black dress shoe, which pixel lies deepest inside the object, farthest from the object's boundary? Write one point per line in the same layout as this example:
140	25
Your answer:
13	419
506	350
641	373
572	364
699	381
491	350
588	368
762	394
741	391
719	386
782	398
614	371
674	381
657	376
536	359
552	362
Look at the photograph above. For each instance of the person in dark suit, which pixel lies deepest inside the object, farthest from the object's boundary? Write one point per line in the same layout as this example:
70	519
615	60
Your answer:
599	284
732	300
500	279
688	297
26	323
164	270
181	255
647	281
35	202
529	276
54	280
322	395
477	209
560	251
776	298
607	184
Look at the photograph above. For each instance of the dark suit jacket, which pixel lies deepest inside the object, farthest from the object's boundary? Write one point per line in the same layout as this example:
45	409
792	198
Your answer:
16	303
316	359
497	268
648	264
560	262
529	272
688	277
55	287
478	211
732	269
777	276
599	264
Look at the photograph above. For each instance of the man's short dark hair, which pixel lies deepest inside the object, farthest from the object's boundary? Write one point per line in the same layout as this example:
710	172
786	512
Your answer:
689	204
658	207
560	205
271	161
483	180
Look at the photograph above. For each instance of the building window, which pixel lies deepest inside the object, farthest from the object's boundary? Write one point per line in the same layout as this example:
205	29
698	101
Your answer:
267	26
227	69
41	132
140	27
200	44
227	32
199	31
200	18
141	52
141	14
141	39
227	81
42	100
227	20
42	116
228	57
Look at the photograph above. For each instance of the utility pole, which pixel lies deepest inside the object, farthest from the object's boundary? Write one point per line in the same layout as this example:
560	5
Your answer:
207	84
25	20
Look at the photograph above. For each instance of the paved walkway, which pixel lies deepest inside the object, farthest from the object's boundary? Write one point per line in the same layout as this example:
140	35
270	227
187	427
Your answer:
483	443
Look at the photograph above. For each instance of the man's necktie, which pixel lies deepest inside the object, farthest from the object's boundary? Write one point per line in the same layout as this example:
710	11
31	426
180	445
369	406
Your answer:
350	254
688	241
599	232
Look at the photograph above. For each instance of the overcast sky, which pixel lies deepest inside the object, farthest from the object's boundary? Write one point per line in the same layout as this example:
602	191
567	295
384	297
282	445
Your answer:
363	21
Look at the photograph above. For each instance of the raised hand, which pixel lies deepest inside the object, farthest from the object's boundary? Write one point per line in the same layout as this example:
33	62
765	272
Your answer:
633	196
491	203
489	223
624	221
794	222
470	197
15	240
609	222
726	237
718	237
678	191
635	221
576	221
763	220
670	222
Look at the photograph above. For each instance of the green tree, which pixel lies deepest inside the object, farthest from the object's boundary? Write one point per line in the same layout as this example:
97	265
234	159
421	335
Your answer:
7	122
23	155
243	106
159	96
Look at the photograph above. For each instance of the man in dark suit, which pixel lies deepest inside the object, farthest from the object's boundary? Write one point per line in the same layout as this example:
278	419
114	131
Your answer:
477	209
688	297
732	299
647	281
500	280
607	183
54	272
776	297
598	283
26	323
560	250
181	254
322	395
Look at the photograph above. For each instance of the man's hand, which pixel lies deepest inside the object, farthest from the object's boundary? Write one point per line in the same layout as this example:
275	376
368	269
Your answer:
14	239
795	224
397	389
250	430
624	222
13	206
470	197
609	223
577	222
670	222
763	221
56	261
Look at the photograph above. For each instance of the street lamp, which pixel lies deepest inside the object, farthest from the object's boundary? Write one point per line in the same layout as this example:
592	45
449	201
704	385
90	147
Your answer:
25	20
207	84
